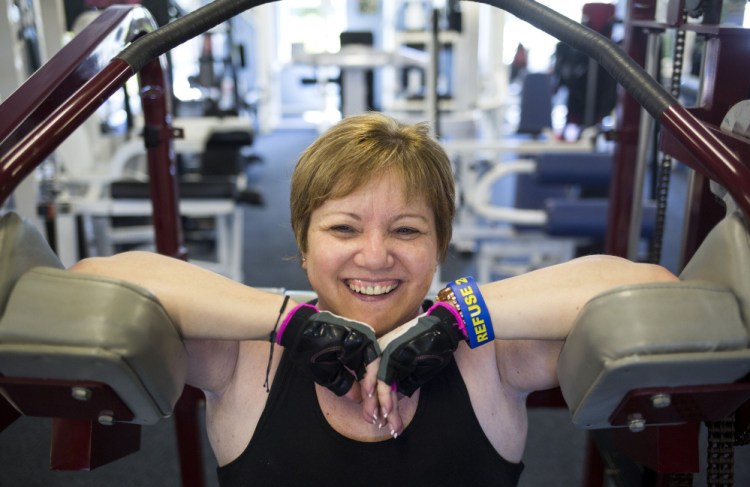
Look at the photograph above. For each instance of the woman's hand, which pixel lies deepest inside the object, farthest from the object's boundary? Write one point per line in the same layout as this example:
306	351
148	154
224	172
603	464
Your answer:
332	348
413	354
416	351
335	350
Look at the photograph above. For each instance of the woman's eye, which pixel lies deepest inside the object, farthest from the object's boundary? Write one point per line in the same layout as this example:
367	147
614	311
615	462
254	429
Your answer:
407	231
342	229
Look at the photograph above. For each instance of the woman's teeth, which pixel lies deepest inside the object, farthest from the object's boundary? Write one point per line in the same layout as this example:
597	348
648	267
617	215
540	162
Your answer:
372	290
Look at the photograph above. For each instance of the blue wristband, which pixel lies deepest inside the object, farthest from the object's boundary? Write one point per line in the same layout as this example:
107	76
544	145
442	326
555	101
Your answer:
474	311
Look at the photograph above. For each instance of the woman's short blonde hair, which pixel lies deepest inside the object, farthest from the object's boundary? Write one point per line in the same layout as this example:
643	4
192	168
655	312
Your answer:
361	147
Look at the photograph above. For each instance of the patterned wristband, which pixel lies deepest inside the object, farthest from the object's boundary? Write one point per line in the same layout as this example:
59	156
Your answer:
464	295
446	295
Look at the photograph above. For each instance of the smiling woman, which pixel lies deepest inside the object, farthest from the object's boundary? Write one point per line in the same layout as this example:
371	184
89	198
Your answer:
385	390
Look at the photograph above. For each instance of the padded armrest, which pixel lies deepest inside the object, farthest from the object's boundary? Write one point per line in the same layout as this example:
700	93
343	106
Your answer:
21	248
724	258
60	325
655	335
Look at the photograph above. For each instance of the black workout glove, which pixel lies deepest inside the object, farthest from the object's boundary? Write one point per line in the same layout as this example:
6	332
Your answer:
329	346
416	351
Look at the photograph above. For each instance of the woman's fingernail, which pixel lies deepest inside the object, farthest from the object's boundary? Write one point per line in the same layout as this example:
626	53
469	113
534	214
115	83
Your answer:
385	414
380	425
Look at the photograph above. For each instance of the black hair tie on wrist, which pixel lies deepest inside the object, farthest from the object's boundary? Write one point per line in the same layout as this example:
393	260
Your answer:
272	339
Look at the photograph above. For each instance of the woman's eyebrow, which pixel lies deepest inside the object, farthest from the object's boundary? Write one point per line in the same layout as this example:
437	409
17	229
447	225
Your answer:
356	216
334	213
411	215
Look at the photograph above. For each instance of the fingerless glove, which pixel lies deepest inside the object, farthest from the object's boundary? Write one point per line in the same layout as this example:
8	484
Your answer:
329	346
416	351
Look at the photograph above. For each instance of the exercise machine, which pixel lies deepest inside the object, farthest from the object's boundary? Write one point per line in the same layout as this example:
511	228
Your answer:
46	351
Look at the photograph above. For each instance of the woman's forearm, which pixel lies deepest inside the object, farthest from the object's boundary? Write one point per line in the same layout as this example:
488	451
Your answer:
543	304
203	305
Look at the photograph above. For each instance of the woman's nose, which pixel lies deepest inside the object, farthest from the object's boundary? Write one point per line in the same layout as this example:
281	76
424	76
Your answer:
374	253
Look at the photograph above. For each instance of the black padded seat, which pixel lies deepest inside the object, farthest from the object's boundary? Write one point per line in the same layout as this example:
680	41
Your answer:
588	217
222	155
205	187
588	169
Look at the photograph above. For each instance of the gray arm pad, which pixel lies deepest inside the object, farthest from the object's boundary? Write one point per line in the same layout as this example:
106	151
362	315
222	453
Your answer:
62	325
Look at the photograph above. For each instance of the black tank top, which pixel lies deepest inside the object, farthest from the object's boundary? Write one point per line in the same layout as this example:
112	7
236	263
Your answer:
293	444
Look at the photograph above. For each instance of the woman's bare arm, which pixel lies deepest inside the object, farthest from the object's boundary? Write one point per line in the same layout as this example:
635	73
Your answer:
533	313
203	304
211	312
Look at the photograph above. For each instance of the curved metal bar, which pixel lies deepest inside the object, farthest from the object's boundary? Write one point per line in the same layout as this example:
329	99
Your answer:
183	29
49	102
713	157
76	63
64	92
719	162
61	75
642	86
20	160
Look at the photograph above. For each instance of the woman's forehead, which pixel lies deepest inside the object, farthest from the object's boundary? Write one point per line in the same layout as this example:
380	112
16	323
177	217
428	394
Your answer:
380	194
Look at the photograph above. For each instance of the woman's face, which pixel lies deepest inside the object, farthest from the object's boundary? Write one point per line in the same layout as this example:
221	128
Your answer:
372	254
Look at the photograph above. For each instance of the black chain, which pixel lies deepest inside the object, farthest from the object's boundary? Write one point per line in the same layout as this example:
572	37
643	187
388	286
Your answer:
742	437
665	166
720	471
680	480
721	434
742	421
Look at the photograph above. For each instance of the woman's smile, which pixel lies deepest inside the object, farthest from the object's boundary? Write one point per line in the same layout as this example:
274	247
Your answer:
371	289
